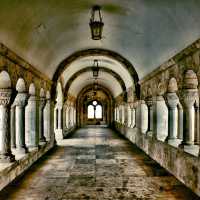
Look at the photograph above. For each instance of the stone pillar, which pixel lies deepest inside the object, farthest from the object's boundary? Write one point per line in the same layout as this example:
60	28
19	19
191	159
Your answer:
172	102
133	118
47	117
197	136
32	137
180	122
59	118
149	102
142	117
5	151
160	117
42	139
12	127
189	98
20	102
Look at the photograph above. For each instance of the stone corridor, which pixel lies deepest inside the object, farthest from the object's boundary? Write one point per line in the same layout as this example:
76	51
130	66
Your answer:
96	163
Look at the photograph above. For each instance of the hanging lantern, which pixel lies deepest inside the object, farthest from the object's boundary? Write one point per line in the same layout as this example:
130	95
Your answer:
95	69
96	24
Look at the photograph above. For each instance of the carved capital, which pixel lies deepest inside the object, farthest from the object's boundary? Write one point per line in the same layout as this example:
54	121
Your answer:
189	97
21	99
32	98
5	95
172	100
149	101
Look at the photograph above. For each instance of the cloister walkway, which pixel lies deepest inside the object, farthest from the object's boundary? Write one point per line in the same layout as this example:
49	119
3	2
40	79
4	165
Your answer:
96	163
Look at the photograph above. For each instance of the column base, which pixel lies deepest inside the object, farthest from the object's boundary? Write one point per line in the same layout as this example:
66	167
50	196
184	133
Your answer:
7	158
149	133
42	141
20	151
174	142
190	148
33	148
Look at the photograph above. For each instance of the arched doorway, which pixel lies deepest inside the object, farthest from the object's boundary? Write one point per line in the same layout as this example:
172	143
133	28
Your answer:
94	107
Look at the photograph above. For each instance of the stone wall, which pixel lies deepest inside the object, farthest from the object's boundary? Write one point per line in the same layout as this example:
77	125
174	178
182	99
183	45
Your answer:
164	123
184	166
19	68
26	115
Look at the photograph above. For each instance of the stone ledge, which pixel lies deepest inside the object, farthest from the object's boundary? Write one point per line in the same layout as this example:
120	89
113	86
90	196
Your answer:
9	172
184	166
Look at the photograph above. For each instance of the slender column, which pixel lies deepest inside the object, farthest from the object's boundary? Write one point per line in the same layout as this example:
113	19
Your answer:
197	125
189	98
42	139
160	119
5	151
180	122
20	102
172	101
188	136
12	127
47	118
59	118
32	138
133	118
149	103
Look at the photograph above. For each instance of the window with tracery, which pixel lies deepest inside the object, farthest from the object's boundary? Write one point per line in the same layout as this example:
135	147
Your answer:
95	110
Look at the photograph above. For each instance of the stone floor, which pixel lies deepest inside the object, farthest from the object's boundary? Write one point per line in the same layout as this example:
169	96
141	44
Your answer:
96	164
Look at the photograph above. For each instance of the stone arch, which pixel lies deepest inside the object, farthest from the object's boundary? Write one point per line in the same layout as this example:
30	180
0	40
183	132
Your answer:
81	96
114	74
104	52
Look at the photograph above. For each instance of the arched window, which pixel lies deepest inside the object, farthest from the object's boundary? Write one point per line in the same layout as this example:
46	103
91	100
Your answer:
90	112
99	112
95	110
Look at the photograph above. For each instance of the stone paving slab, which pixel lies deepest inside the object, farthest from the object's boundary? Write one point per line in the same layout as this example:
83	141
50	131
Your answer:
96	164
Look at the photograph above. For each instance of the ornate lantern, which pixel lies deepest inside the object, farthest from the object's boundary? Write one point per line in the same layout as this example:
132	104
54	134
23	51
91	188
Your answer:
96	24
95	69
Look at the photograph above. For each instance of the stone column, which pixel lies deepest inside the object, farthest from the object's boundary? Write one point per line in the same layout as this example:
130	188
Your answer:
196	139
5	151
172	102
20	102
160	125
189	98
149	102
133	118
142	117
47	117
12	127
59	118
180	122
32	137
42	139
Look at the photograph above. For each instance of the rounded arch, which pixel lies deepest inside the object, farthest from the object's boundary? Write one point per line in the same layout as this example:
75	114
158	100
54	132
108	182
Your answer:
87	69
81	99
104	52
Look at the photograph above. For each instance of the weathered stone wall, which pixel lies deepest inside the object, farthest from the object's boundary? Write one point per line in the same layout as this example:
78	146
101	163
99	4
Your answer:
19	68
160	87
10	171
28	115
157	81
182	165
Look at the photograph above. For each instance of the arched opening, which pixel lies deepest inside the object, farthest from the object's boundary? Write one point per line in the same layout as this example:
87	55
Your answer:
95	107
95	111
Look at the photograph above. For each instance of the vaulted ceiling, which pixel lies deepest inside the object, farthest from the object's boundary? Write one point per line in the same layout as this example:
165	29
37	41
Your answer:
145	32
